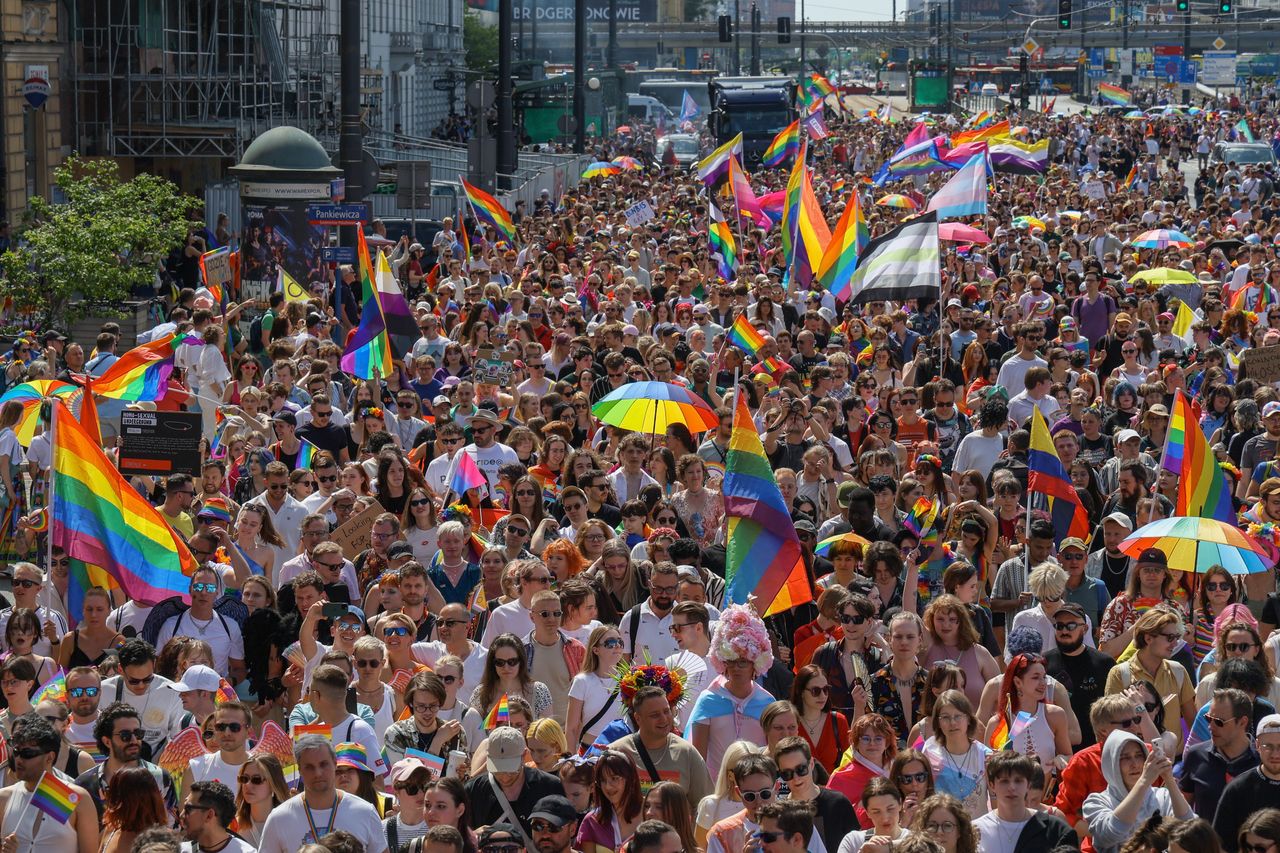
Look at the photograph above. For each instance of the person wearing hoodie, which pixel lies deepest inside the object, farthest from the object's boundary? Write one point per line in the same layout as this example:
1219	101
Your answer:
1130	768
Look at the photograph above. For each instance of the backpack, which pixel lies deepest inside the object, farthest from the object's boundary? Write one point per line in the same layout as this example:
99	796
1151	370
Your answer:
227	606
1126	673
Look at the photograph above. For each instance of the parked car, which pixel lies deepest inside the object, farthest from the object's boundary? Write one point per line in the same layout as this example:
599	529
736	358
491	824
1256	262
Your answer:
1243	154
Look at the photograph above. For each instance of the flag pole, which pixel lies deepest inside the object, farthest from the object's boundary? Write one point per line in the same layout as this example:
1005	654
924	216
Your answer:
49	502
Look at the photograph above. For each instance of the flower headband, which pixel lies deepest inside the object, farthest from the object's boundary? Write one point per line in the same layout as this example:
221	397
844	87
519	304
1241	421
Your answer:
630	678
741	635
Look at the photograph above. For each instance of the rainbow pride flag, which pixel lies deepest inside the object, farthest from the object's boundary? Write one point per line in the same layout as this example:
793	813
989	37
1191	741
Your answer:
307	454
369	349
99	519
723	247
745	336
763	558
54	690
55	798
785	144
499	714
1131	177
980	120
305	729
980	134
1114	94
142	374
489	209
1202	488
1048	478
847	242
226	693
1004	735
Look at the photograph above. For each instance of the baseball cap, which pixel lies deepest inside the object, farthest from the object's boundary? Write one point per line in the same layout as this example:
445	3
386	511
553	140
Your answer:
285	416
1153	557
506	751
1119	518
1126	435
405	768
700	310
554	809
399	549
441	400
845	493
499	832
198	677
804	525
1271	408
352	610
53	335
1073	542
628	330
1073	608
1268	725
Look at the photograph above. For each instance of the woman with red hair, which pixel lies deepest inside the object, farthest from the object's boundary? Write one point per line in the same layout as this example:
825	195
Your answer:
873	746
1023	721
563	559
132	804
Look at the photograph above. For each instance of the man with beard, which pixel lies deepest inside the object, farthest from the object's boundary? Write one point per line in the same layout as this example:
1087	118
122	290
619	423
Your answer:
658	752
1131	484
34	746
1080	669
320	807
118	734
207	811
83	686
647	626
555	825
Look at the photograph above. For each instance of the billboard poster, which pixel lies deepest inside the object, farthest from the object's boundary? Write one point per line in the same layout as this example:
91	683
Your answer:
278	235
561	11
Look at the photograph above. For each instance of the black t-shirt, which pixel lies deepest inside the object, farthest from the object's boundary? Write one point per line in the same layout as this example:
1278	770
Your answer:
331	438
1095	451
484	808
1206	772
1084	676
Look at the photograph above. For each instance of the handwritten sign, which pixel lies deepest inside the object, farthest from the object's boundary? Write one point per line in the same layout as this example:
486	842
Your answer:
353	534
492	368
217	267
1261	365
640	213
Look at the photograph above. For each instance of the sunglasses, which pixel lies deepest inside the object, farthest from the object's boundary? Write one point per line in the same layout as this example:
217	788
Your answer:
1218	586
128	735
919	778
1067	626
1218	722
787	775
234	728
79	692
395	631
517	531
819	691
1124	724
23	583
251	780
764	795
1239	648
855	619
420	502
139	682
204	587
412	789
505	663
550	614
332	478
367	663
612	643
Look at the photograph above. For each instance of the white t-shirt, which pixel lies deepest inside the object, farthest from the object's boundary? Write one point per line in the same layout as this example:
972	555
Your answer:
853	842
584	633
978	452
998	836
512	617
423	543
490	459
211	767
472	664
355	730
160	708
288	827
131	614
222	635
593	691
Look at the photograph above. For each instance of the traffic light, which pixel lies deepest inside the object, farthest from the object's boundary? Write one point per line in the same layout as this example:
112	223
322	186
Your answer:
726	28
1022	63
784	30
1225	7
1064	14
1183	5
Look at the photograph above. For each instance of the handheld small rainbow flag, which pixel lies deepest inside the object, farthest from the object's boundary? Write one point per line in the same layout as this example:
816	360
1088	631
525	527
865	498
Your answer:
499	715
723	248
746	336
321	729
786	144
1003	737
1131	177
838	184
1114	94
39	522
55	689
55	798
434	763
477	601
306	454
466	474
488	209
922	521
226	693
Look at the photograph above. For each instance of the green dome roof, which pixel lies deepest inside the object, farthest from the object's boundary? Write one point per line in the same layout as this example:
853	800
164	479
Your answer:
287	149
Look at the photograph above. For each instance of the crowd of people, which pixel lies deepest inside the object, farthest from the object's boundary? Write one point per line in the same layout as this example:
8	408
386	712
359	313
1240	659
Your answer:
550	661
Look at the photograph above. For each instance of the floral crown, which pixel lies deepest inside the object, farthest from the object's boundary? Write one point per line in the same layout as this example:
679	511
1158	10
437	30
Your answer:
371	412
456	512
740	635
631	677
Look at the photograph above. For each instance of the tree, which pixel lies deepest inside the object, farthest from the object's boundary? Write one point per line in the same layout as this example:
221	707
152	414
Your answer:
480	41
90	252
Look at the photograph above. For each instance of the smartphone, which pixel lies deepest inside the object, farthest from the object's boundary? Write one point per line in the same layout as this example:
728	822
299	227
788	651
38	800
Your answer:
333	610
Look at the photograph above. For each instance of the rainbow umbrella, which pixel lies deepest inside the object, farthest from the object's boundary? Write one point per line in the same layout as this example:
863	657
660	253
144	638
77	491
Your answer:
1195	545
630	163
1165	275
653	406
958	232
1162	238
1029	222
899	201
600	170
31	395
1135	114
1071	214
825	545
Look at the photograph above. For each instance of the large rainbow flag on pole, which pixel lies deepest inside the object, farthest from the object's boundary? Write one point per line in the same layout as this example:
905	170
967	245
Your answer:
99	519
1202	488
763	559
1114	94
489	209
785	144
1047	477
370	347
141	374
744	335
847	243
723	248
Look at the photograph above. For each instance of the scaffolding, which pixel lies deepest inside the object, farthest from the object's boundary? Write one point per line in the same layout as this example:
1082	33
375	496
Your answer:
201	78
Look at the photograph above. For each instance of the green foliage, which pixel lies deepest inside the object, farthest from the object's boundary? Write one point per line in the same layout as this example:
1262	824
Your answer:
91	251
480	41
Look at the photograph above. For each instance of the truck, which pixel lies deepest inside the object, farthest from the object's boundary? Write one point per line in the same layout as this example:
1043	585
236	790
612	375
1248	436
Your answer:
756	107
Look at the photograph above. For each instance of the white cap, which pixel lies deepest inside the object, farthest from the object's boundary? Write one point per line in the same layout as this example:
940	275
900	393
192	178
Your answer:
1119	518
1126	435
1268	725
198	677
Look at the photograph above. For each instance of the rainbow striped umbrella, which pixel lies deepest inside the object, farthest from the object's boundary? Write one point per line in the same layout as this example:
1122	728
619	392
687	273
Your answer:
1195	544
600	170
899	201
653	406
1029	222
31	395
1162	238
825	545
630	163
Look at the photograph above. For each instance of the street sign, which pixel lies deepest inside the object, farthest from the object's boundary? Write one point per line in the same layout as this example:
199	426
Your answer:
1097	73
337	190
413	183
1030	46
1219	68
1187	74
338	254
1219	43
35	86
443	84
337	214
